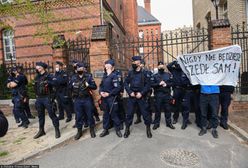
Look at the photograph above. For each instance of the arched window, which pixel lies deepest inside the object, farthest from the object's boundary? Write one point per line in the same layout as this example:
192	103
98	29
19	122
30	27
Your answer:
9	45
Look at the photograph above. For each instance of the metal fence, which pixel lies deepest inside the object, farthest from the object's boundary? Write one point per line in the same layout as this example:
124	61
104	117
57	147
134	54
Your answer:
165	47
28	68
240	37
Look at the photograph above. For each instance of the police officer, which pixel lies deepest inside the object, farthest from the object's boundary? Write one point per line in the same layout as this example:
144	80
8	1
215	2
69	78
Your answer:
137	85
120	100
225	100
162	82
4	125
17	84
80	85
61	80
26	107
183	92
43	89
110	89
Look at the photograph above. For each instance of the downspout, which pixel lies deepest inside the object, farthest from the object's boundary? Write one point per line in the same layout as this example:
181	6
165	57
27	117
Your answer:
101	9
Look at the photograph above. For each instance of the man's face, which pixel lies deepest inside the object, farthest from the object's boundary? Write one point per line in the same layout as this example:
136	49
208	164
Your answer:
39	69
108	67
161	67
137	63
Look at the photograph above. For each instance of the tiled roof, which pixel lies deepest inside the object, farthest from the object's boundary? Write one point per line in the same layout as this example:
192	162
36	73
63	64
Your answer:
145	18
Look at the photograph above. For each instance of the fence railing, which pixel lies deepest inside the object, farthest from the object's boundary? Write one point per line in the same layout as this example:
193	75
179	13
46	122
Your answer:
28	68
240	37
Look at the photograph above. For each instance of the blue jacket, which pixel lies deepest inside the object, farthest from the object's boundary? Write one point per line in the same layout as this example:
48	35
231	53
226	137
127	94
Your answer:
210	89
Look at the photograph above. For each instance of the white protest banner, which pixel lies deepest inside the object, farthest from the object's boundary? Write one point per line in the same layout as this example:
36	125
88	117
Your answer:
215	67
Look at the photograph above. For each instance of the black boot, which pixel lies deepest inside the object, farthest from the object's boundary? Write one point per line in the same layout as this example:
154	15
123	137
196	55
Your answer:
127	132
138	120
79	134
92	132
148	131
224	126
24	124
118	133
155	126
170	126
202	132
104	133
57	133
184	126
40	133
215	133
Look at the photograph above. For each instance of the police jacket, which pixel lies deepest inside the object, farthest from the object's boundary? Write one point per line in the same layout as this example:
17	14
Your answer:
157	78
43	85
20	89
137	81
179	77
78	85
111	84
61	82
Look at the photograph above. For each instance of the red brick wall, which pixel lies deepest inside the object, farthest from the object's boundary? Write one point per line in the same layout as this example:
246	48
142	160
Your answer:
155	55
130	17
68	21
221	37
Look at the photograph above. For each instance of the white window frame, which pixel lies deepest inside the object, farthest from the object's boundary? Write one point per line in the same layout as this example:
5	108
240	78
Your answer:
8	1
11	45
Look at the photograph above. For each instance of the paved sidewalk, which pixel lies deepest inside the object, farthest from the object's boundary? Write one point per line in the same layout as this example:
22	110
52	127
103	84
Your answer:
19	144
168	148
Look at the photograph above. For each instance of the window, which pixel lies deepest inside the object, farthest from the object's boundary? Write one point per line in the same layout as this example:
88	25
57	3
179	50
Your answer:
9	45
6	1
156	31
141	34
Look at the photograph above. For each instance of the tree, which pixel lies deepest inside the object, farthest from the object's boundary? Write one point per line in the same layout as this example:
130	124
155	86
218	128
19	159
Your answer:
41	10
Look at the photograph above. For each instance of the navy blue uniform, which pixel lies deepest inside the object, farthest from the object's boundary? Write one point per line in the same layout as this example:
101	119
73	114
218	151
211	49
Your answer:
121	108
26	103
182	91
225	101
82	98
162	96
43	89
18	94
112	85
61	81
137	81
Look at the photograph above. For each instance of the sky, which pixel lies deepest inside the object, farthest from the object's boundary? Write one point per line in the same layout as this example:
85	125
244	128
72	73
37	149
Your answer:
172	13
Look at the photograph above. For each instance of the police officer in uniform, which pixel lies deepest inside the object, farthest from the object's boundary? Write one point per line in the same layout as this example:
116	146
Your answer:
61	80
43	89
4	125
225	100
137	85
162	82
183	92
110	89
80	85
120	100
27	110
17	84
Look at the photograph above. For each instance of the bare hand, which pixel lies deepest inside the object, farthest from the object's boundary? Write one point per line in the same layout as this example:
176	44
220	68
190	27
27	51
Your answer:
132	94
161	83
139	95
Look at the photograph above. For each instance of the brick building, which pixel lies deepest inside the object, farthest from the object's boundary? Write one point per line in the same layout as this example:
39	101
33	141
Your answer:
72	19
149	27
235	10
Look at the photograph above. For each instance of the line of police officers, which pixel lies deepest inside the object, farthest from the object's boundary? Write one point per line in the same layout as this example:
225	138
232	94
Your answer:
73	93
